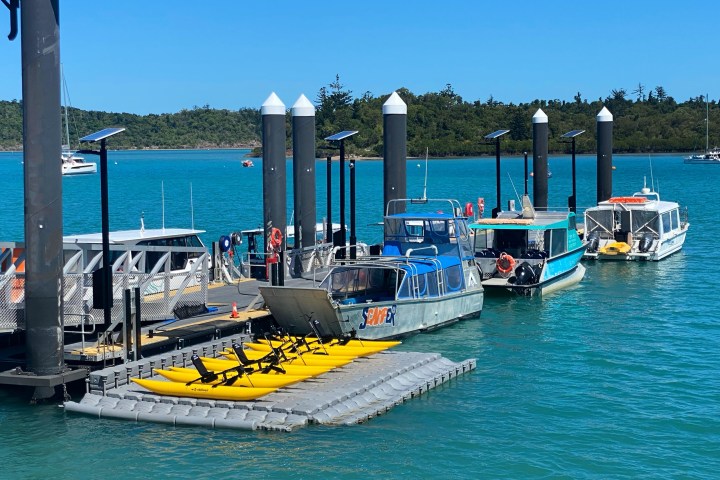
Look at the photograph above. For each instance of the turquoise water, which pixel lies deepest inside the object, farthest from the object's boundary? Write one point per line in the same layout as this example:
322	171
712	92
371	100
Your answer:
618	377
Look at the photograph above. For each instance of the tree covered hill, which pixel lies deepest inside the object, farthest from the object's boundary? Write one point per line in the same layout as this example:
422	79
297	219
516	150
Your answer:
441	121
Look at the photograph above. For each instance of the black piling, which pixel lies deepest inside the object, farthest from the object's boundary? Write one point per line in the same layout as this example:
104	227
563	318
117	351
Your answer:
540	160
328	200
303	129
526	172
274	176
604	154
40	37
394	149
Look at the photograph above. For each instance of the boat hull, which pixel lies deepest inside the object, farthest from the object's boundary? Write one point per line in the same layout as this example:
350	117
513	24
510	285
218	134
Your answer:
368	321
664	249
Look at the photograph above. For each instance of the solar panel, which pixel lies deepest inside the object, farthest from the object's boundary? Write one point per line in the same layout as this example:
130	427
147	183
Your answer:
104	133
496	134
572	133
342	135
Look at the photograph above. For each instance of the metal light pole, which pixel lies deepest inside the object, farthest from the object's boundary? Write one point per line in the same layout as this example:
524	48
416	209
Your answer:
489	138
340	137
572	200
106	296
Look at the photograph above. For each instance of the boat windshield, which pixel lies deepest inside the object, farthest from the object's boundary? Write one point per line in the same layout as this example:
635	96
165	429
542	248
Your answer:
424	235
362	283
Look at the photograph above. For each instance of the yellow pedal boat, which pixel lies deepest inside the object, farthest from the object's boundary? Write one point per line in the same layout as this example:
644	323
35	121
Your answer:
295	359
259	380
220	364
331	350
349	343
195	390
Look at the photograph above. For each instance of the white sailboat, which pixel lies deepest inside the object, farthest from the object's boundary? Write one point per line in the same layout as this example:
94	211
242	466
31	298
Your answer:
72	163
710	156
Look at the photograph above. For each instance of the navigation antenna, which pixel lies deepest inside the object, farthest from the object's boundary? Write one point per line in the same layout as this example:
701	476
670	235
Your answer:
162	194
652	178
426	170
192	210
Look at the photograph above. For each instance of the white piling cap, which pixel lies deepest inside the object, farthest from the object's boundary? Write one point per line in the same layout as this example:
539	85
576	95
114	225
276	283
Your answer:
604	115
540	117
394	105
273	106
303	107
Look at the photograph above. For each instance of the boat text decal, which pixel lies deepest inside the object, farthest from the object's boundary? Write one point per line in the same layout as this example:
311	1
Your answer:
378	316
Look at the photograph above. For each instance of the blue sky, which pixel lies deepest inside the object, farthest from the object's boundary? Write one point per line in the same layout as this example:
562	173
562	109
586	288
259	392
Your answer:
161	56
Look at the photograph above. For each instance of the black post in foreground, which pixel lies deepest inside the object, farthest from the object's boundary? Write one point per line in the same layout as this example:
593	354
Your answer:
604	154
106	297
40	45
353	238
340	137
274	179
540	160
394	151
494	137
526	172
572	200
303	138
329	226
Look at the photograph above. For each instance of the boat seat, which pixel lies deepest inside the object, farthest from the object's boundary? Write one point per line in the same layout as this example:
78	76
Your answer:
391	249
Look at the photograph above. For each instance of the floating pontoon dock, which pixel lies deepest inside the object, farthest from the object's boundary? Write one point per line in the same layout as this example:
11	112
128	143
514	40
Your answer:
365	388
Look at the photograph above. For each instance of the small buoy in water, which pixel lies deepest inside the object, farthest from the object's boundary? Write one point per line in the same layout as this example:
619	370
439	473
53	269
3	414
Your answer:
418	165
532	174
613	167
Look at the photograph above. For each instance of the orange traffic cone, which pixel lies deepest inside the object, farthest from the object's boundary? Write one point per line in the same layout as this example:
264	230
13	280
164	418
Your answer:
234	313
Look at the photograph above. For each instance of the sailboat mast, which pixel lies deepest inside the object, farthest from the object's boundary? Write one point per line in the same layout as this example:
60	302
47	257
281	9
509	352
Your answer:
64	95
707	123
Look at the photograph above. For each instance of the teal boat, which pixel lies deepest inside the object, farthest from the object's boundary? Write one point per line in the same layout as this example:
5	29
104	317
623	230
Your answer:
528	252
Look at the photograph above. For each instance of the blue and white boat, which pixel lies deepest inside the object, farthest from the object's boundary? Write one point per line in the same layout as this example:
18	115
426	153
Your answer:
426	277
528	252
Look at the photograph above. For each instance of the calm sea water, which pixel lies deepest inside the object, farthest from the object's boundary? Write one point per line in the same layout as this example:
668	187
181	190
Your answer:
618	377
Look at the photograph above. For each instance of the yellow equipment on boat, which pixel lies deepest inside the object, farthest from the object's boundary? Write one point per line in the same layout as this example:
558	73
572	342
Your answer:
295	359
259	380
199	390
614	248
330	350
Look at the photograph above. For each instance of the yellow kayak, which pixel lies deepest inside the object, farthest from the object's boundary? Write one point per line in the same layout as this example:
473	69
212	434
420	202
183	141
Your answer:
332	350
260	380
614	248
219	364
293	358
349	343
202	391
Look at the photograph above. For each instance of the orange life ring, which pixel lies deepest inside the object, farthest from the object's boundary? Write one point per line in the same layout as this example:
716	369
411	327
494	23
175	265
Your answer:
505	264
469	210
275	237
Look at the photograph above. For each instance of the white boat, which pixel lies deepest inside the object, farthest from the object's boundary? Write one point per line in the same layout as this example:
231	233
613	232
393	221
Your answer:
173	252
710	156
529	252
425	278
72	163
640	227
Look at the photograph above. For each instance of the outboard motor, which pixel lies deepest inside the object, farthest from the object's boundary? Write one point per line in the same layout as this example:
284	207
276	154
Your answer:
646	242
524	274
593	241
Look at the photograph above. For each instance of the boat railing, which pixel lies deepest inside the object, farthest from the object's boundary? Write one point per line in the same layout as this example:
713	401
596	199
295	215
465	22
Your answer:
429	247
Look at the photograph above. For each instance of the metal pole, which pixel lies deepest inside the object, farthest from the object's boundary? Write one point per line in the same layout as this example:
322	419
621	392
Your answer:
342	200
352	210
573	200
496	211
328	175
526	173
107	274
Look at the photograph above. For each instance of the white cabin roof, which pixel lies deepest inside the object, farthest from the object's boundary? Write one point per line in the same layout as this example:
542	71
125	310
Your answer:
131	237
